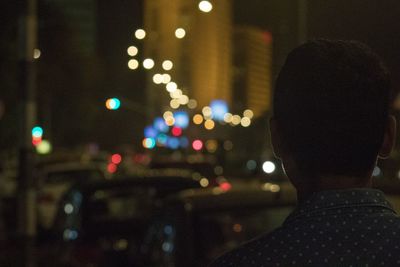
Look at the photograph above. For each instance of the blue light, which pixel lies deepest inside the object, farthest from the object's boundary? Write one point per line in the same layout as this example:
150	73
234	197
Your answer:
159	125
184	142
168	229
181	119
219	109
150	132
173	142
162	139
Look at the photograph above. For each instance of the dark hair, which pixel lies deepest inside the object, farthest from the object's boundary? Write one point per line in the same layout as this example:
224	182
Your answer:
331	104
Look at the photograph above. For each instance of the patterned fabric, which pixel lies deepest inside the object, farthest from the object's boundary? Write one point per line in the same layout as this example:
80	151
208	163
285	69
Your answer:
355	227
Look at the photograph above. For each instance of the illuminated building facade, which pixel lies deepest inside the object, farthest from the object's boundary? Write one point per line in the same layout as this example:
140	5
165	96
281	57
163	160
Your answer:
201	50
252	61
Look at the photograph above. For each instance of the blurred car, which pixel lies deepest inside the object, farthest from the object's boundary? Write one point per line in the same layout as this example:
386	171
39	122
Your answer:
104	223
199	225
55	179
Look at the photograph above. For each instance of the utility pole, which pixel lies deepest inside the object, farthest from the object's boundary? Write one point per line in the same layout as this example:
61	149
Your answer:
26	191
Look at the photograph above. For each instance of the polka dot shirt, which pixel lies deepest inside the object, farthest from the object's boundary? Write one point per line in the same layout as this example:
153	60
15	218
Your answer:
354	227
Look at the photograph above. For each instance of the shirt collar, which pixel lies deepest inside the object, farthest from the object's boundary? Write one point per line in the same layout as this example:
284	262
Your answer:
334	199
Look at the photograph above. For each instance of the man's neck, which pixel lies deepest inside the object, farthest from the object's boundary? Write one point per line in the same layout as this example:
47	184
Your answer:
325	183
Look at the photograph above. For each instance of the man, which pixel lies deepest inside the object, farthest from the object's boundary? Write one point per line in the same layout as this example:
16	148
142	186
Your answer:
331	123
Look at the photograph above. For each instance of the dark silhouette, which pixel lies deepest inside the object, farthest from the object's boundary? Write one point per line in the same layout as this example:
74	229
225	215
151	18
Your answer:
331	122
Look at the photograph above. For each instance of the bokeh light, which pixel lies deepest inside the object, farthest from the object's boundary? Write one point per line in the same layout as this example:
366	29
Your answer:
159	125
197	145
176	131
180	33
197	119
245	122
268	167
209	124
167	65
116	158
113	103
132	50
149	143
248	113
181	119
205	6
166	78
219	109
158	78
171	86
44	147
133	64
148	63
140	34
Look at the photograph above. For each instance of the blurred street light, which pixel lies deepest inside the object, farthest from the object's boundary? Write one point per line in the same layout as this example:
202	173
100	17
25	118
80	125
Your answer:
205	6
44	147
167	65
268	167
133	64
148	63
36	53
140	34
180	33
132	51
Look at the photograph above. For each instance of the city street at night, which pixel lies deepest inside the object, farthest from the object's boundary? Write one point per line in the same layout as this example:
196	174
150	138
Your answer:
152	133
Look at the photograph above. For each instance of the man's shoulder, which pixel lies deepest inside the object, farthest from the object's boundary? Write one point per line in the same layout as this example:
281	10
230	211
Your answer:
245	253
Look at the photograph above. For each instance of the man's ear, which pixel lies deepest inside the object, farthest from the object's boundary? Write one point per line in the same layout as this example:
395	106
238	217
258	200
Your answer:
389	138
275	138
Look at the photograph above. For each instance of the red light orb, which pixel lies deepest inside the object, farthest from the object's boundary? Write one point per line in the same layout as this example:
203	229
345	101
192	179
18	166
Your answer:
176	131
116	158
111	168
197	145
225	186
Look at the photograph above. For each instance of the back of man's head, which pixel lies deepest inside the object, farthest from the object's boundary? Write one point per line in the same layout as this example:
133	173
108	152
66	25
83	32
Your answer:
331	104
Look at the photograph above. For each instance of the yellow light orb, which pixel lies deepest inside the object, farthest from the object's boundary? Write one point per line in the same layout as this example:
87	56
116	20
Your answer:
174	103
167	65
168	114
132	51
171	86
166	78
170	121
248	113
197	119
133	64
204	182
148	63
44	147
176	94
236	119
180	33
205	6
228	117
140	34
209	124
36	53
183	100
245	122
207	112
157	78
